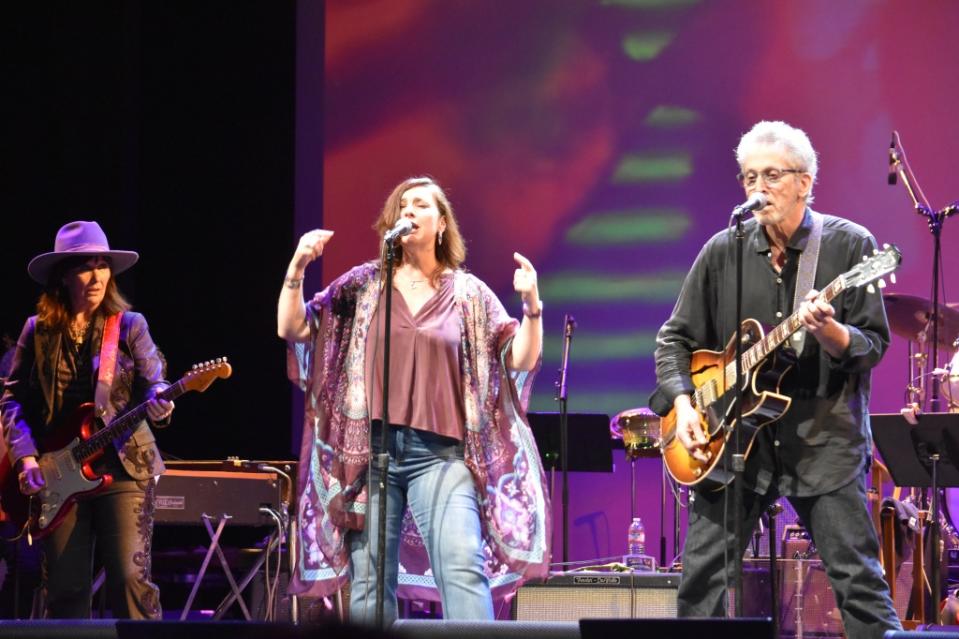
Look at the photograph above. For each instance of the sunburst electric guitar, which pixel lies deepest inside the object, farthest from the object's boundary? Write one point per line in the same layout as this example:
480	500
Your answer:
66	465
764	365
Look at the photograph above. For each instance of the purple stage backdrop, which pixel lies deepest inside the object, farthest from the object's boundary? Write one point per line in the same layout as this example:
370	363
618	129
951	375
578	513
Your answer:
596	137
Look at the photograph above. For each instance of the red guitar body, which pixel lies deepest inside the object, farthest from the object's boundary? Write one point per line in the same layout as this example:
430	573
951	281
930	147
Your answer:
66	477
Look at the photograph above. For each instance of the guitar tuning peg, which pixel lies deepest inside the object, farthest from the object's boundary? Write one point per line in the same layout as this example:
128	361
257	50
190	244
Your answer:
875	251
871	288
224	359
892	278
194	368
882	283
885	245
865	258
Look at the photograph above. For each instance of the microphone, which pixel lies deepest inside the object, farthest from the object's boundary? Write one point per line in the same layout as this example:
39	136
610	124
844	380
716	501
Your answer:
893	162
755	202
402	227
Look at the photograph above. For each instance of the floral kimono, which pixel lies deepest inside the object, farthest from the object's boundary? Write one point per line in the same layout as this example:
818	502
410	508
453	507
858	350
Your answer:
499	447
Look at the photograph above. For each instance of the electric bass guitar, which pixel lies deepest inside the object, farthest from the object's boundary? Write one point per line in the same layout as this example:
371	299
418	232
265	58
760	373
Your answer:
764	365
67	472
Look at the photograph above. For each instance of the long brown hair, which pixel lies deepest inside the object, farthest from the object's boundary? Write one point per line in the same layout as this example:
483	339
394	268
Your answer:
53	308
450	254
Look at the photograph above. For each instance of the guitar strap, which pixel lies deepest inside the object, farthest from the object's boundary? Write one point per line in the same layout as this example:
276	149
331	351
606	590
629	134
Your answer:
806	274
108	362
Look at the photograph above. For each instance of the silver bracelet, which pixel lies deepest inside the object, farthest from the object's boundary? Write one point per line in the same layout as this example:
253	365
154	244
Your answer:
292	282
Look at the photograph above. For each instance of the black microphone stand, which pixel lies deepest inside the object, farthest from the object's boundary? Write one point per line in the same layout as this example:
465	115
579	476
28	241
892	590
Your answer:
738	459
569	323
935	220
382	460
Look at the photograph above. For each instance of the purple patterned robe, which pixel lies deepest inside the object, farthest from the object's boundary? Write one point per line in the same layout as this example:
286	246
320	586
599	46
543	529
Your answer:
499	447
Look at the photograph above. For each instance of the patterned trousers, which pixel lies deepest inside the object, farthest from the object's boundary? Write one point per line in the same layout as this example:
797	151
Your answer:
117	527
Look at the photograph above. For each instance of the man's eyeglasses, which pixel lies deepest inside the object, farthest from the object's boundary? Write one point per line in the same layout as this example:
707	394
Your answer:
770	176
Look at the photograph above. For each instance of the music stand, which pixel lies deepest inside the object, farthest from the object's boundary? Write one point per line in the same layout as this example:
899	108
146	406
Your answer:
588	450
590	446
924	456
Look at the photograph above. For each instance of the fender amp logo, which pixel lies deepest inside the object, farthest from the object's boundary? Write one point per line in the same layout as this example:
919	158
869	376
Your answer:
597	580
170	502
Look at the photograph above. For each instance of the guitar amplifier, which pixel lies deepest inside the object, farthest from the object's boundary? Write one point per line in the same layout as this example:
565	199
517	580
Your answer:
188	490
583	595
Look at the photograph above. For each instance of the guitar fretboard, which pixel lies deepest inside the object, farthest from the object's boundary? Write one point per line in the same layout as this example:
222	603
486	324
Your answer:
775	338
710	391
122	426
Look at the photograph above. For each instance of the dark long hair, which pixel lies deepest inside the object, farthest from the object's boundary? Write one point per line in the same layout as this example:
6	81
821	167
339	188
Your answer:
450	254
53	308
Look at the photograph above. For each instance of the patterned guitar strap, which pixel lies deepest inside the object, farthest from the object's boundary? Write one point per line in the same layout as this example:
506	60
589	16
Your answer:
806	274
108	363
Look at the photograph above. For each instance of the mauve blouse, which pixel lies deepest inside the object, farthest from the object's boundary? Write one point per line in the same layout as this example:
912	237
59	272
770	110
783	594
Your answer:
424	364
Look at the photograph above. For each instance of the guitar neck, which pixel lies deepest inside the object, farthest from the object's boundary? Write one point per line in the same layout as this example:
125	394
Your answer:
122	426
777	336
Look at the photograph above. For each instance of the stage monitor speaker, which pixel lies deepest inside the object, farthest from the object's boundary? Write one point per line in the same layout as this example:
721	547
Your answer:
241	630
744	628
581	595
444	629
58	629
925	632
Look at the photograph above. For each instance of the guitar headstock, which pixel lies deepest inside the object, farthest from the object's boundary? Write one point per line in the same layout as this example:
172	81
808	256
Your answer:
874	267
203	374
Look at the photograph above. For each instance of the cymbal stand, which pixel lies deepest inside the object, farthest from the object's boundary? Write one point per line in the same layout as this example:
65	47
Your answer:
899	166
916	385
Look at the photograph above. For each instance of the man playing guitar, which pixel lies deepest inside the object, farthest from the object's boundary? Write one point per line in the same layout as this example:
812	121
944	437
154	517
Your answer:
818	452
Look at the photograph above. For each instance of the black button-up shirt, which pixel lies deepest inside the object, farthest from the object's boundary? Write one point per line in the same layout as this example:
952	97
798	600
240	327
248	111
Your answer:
824	439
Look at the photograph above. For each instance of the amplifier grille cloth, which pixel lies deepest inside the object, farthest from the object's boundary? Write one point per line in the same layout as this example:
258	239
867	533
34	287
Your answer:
572	603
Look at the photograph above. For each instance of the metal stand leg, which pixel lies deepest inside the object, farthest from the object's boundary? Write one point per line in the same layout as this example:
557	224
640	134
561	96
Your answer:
292	559
235	595
214	548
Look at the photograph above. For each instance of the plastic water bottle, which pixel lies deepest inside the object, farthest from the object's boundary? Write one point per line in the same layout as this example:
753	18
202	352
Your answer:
636	538
635	557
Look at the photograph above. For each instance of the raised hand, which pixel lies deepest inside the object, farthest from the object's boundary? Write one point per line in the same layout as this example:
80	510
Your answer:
309	248
524	280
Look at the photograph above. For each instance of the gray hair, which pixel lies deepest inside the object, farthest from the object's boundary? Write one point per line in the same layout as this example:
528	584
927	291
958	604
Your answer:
792	141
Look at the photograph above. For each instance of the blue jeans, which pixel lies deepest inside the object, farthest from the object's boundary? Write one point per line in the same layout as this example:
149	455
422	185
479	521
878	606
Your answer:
428	474
844	536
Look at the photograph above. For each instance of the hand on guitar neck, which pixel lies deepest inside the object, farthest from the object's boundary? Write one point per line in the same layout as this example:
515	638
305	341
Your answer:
816	315
689	430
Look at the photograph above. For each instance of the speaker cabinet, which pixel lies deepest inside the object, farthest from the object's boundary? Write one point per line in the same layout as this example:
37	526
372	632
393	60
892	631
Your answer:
807	605
575	596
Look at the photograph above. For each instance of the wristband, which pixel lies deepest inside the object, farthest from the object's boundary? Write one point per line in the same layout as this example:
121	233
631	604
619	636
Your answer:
538	314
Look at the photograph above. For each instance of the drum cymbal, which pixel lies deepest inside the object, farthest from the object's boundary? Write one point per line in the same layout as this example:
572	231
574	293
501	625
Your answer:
639	429
909	314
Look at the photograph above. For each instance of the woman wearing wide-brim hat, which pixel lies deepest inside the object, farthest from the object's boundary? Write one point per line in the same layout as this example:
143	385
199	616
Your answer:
55	370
